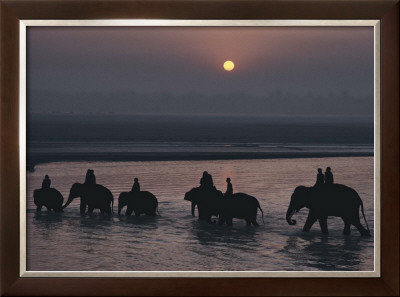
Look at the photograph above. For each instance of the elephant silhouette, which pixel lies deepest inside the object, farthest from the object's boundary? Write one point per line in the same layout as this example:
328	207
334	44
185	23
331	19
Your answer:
239	206
138	202
213	203
328	200
48	197
94	196
208	202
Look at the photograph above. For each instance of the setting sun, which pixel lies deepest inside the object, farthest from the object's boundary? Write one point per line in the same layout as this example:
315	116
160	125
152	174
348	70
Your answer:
228	65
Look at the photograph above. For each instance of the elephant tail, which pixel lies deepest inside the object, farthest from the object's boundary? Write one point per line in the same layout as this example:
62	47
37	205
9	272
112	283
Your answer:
362	211
262	213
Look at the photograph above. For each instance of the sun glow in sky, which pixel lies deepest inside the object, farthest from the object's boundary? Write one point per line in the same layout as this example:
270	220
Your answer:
229	65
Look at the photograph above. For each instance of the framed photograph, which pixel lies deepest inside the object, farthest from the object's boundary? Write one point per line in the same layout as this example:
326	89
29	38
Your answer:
186	148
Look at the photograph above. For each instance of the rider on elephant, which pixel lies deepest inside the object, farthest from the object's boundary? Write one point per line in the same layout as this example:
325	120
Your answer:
136	186
46	182
90	177
320	178
206	182
328	176
229	188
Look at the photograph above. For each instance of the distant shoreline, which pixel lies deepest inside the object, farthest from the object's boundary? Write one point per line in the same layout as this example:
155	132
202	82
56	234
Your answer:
41	158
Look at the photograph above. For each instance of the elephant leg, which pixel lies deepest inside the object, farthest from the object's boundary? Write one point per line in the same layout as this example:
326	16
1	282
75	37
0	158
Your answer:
203	213
90	209
254	221
58	208
346	230
106	210
193	207
39	207
323	223
248	222
129	211
221	221
229	221
48	208
82	208
311	219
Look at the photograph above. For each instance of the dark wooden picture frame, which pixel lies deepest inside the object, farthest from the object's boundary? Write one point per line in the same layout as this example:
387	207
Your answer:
12	11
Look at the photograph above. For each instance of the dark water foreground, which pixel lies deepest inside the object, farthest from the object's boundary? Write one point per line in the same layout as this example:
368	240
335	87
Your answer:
175	241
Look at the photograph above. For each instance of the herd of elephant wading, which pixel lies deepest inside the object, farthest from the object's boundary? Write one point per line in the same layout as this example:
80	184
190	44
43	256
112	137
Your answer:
322	201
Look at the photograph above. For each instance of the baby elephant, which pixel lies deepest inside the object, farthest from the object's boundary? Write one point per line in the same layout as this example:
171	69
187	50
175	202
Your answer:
48	197
141	202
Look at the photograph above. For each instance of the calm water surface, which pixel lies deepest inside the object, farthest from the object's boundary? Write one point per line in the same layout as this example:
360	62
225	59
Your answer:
176	241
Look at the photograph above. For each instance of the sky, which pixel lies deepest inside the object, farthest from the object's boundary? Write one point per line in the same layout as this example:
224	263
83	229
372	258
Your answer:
165	66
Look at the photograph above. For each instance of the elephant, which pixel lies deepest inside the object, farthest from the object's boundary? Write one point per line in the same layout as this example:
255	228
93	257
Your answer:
328	200
208	202
240	206
93	196
48	197
140	202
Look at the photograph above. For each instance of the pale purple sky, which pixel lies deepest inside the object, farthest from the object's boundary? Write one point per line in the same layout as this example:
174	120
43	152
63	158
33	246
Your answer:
180	60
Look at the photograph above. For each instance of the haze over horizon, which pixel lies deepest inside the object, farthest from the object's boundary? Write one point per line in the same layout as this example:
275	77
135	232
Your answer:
167	70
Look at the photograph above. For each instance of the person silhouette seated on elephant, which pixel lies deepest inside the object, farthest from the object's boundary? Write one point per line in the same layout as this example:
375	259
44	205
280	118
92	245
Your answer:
136	186
51	198
320	178
206	182
229	188
46	182
328	176
90	178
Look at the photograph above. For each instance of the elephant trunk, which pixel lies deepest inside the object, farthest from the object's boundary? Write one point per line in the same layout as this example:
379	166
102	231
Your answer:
290	212
68	202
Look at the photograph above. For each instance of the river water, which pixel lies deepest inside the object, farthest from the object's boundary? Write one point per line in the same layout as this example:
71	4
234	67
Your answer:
175	241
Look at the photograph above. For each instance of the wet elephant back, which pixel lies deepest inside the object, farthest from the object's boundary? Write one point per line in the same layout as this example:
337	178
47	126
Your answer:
50	193
335	199
55	193
102	191
97	195
241	205
336	193
144	202
246	199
